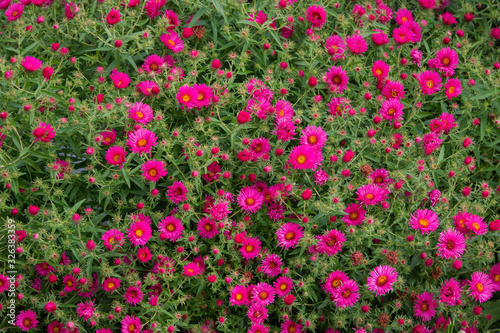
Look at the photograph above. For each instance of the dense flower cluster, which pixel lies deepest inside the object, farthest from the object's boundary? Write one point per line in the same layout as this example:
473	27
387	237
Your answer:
250	166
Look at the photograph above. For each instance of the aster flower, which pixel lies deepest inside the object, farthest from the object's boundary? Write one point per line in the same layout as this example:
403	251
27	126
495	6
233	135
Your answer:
139	233
403	35
334	280
44	269
384	13
153	63
4	283
263	294
314	136
107	137
153	170
416	56
283	109
347	294
44	132
141	141
452	88
85	310
204	95
424	220
393	89
335	46
172	41
381	280
289	235
460	222
238	296
425	306
284	129
430	82
250	248
141	113
355	214
431	142
321	177
316	15
219	211
112	238
26	320
481	287
191	269
371	194
380	177
337	78
415	29
446	61
257	313
177	192
31	64
250	200
114	16
147	88
187	97
283	286
271	265
131	324
213	172
305	157
337	106
171	227
451	244
379	38
133	295
207	228
331	243
494	276
380	69
172	19
450	292
69	283
403	15
110	284
258	328
291	327
260	146
275	211
356	44
120	80
14	11
116	156
392	110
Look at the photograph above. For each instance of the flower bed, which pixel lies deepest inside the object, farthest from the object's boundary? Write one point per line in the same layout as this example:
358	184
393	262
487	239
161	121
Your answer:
234	166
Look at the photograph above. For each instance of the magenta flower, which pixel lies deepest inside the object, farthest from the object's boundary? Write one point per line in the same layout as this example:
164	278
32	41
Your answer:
31	64
263	294
271	265
446	61
356	44
120	80
316	15
171	227
250	248
450	292
425	306
141	141
133	295
207	228
451	244
305	157
331	242
238	296
371	194
141	113
172	41
430	82
337	78
424	220
116	156
314	136
380	69
131	324
283	286
153	63
355	214
139	233
335	46
392	110
289	235
114	16
334	280
153	170
452	88
177	192
250	200
44	132
481	287
381	280
14	12
347	294
26	320
187	97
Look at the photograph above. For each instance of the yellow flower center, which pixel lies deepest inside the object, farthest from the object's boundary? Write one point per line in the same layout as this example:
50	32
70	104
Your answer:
238	297
353	216
451	90
138	232
250	201
201	97
111	285
423	222
249	248
152	172
139	114
186	98
208	227
283	286
263	295
290	235
429	83
446	61
479	287
142	143
312	139
382	280
378	71
424	306
369	196
301	159
170	227
391	111
171	43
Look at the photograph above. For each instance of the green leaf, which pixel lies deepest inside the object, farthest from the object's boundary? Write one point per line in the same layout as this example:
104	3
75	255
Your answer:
219	8
196	17
125	176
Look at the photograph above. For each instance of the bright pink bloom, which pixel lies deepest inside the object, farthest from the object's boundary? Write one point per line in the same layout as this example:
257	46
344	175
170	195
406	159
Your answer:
334	281
271	265
424	220
131	324
381	280
289	235
337	78
392	110
393	89
305	157
314	136
153	63
283	286
112	238
403	35
291	327
450	292
141	141
153	170
451	244
380	69
494	276
250	199
446	61
425	306
403	15
430	82
177	192
481	287
172	41
31	64
14	12
207	228
355	214
452	88
141	113
257	313
114	16
110	284
187	97
116	156
239	295
381	178
356	44
335	46
263	294
250	248
283	109
331	243
172	227
380	38
44	132
139	233
316	15
347	294
26	320
204	95
371	194
191	269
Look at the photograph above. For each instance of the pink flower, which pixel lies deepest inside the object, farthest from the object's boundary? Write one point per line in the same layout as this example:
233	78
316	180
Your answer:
430	82
133	295
204	95
153	63
113	16
335	46
47	72
428	4
452	88
250	200
69	283
393	89
191	269
403	35
415	29
451	244
131	324
250	248
449	19
177	192
381	178
284	110
207	228
257	313
380	69
260	147
171	227
290	326
384	13
141	113
141	141
481	287
271	265
371	194
187	96
139	233
147	88
347	294
424	220
172	19
31	64
283	286
305	157
331	243
14	12
172	41
337	78
381	280
110	284
116	156
431	142
26	320
316	15
403	15
446	61
356	44
494	276
85	310
380	38
284	129
355	215
263	294
334	281
238	296
120	80
425	306
44	132
112	238
450	292
416	56
153	170
476	224
289	235
314	136
392	110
